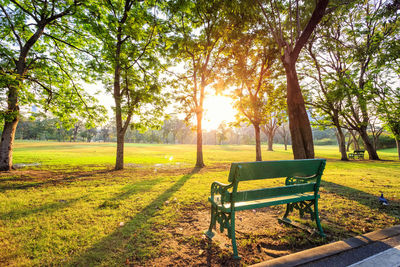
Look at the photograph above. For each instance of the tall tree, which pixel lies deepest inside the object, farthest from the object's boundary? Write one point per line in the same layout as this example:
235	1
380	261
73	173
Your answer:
387	91
200	27
291	25
365	35
346	61
283	131
36	63
274	119
251	74
259	95
326	69
129	33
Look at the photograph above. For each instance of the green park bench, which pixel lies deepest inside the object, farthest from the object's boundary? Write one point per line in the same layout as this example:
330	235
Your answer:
357	154
300	192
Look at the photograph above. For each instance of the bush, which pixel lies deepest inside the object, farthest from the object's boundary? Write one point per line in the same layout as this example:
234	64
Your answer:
325	142
385	141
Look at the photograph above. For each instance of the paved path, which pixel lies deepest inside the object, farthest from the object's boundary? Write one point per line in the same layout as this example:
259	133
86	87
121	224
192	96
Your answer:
377	249
389	257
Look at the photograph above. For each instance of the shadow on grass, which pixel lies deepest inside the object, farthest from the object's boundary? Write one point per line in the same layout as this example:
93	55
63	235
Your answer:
363	198
127	191
135	239
133	189
47	208
28	183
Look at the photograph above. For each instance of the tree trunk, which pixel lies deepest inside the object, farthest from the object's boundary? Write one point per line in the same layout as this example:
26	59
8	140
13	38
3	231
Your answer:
349	143
342	143
174	138
270	136
337	139
8	135
75	132
6	145
299	124
199	158
258	142
119	164
355	141
340	136
10	126
368	144
398	146
119	161
285	142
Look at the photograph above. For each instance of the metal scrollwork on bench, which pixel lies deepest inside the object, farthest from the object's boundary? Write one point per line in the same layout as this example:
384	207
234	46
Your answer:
220	193
302	207
224	220
299	180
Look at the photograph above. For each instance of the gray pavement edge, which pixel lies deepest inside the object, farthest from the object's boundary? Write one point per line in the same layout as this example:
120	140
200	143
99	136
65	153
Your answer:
331	249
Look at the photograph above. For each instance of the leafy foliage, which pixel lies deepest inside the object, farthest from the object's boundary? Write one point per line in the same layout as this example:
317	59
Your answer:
42	55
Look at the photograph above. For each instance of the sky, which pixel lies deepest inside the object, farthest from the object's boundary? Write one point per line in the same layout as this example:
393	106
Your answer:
217	108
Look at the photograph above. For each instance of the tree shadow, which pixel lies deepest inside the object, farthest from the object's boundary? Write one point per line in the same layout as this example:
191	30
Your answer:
134	237
48	208
363	198
133	189
29	183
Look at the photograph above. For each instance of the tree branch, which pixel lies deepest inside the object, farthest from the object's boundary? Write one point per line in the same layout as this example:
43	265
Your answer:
12	26
316	17
25	10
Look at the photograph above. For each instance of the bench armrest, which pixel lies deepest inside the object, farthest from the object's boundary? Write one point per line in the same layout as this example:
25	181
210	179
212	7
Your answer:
218	188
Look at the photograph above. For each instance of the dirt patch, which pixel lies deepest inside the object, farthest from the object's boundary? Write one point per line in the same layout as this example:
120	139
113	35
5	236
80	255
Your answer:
259	238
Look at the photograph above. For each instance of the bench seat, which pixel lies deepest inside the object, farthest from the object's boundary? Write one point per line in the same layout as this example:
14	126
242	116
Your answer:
261	203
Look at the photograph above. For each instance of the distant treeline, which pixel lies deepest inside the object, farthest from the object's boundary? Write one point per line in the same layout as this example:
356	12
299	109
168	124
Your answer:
173	131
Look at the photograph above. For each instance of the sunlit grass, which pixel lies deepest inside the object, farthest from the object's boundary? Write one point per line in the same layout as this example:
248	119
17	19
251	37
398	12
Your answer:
72	209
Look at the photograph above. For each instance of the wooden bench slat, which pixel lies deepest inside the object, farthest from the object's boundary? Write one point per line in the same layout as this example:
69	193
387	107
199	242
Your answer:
245	171
263	193
254	204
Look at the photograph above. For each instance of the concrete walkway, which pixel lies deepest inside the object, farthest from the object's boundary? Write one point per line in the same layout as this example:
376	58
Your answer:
380	248
390	257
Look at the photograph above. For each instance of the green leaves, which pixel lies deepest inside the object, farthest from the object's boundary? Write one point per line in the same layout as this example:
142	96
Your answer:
130	37
43	55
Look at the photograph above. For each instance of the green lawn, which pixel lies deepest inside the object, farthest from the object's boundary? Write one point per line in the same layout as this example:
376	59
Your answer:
68	207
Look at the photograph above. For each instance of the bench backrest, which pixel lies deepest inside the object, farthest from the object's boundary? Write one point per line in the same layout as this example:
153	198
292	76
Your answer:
359	151
246	171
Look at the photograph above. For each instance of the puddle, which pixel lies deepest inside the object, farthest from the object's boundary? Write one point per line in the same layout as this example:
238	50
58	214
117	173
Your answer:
21	165
157	165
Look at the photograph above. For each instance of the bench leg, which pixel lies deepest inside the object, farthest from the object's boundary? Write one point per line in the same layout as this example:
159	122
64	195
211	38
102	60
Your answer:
209	233
231	234
226	222
316	214
288	210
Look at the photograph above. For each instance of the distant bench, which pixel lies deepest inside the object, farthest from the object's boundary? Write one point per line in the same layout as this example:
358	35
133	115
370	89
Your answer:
357	154
300	192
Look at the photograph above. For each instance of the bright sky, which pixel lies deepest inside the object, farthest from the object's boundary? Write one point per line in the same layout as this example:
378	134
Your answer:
217	108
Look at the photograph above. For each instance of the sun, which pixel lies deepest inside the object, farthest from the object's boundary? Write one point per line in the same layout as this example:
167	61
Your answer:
217	108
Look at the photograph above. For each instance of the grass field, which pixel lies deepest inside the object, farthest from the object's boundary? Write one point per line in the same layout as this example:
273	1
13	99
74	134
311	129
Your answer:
66	206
